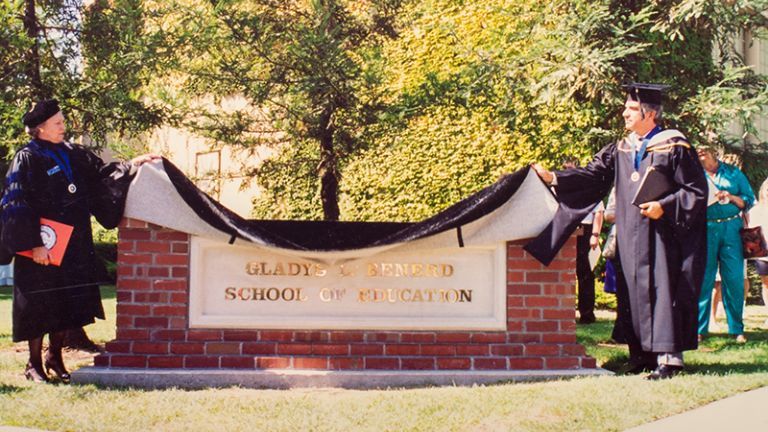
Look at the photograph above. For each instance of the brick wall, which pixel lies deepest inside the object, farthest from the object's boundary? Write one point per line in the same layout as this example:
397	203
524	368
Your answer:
152	327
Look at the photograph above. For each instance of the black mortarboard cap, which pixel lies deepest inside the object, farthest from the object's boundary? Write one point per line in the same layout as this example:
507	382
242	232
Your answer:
646	93
40	112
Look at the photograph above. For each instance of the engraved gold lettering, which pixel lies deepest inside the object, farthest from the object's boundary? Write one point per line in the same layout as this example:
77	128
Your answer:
279	270
264	272
432	270
229	293
417	270
447	270
294	269
373	269
465	296
402	295
300	296
387	270
241	295
258	294
430	293
273	294
344	271
320	270
362	295
418	296
306	268
251	268
325	295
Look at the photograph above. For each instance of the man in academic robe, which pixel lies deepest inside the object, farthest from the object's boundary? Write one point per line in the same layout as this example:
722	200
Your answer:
661	242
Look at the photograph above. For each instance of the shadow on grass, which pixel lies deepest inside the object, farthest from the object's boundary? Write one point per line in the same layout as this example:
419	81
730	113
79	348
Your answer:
719	354
10	389
726	369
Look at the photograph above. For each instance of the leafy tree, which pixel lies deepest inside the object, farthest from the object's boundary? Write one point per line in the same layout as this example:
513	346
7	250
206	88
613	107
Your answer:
482	88
306	64
94	59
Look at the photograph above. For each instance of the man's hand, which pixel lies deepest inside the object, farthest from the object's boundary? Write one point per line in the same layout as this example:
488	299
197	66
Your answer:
594	241
651	210
545	175
40	255
140	160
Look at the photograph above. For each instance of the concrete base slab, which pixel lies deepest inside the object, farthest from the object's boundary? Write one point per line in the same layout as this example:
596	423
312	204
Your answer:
293	378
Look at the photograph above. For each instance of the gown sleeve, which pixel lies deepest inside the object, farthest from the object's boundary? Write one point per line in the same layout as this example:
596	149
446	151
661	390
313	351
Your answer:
578	190
109	185
685	206
20	221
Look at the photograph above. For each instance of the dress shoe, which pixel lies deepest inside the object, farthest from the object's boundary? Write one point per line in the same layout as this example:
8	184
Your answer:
57	365
636	369
664	371
35	374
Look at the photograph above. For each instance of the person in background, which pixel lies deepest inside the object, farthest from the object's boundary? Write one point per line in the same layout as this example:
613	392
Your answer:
587	238
53	179
609	250
724	249
758	216
717	299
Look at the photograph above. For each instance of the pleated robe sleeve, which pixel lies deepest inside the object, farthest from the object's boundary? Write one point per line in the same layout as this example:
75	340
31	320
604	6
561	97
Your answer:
109	188
683	209
578	191
20	220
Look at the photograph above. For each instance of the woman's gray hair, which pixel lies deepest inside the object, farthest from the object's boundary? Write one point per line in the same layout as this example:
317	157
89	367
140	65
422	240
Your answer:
33	132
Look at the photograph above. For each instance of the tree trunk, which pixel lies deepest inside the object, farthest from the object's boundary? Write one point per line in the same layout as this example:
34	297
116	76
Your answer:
33	55
328	169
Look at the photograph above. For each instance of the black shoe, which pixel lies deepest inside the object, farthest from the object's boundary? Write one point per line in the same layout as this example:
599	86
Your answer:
587	319
35	374
664	372
56	364
639	368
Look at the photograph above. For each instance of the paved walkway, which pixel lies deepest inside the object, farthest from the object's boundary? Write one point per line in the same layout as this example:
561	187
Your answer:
743	412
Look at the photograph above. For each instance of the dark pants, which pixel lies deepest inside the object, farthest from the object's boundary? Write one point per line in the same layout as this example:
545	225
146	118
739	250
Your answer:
623	330
584	273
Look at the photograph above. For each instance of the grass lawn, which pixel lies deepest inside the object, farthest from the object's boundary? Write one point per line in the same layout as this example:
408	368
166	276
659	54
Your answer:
718	369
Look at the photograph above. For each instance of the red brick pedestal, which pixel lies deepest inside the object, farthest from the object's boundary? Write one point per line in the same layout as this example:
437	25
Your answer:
153	333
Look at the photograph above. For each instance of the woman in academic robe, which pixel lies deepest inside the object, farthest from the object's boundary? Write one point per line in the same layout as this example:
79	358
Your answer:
52	179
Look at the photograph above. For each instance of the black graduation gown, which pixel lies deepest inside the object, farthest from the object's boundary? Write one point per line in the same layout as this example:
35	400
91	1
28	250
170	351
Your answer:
663	260
52	298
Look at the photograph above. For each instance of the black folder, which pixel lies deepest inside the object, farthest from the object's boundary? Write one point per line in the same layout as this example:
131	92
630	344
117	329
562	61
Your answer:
653	186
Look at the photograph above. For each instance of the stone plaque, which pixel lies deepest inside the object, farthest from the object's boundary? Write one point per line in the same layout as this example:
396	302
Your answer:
235	286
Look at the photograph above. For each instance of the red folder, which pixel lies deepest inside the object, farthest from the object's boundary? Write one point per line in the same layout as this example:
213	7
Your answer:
55	237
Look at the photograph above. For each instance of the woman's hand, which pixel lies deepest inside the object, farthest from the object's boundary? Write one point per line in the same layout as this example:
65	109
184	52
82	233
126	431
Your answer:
40	255
726	197
141	160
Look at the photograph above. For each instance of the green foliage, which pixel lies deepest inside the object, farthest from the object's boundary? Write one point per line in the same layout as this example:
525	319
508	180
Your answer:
95	59
308	66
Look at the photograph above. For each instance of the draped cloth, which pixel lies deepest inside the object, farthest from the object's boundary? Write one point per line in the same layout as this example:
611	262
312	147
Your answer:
517	206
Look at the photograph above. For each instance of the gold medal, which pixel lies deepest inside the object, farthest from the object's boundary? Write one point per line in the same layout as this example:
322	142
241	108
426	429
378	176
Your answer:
635	176
72	188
